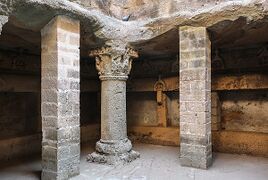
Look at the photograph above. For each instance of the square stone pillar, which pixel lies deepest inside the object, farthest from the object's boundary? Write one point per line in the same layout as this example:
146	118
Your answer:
195	97
60	98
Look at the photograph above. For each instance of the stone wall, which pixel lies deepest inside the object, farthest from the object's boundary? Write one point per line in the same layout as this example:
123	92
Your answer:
20	94
20	112
26	145
20	147
140	103
242	98
19	115
234	115
141	109
222	141
245	111
90	108
231	110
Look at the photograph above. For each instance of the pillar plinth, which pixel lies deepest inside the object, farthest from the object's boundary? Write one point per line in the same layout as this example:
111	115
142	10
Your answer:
114	146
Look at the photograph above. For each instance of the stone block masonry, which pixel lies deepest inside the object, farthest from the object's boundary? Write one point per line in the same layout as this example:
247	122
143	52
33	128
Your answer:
195	97
60	98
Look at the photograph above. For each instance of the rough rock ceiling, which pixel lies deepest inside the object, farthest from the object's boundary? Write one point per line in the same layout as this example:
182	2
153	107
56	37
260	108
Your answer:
155	10
21	40
226	34
152	28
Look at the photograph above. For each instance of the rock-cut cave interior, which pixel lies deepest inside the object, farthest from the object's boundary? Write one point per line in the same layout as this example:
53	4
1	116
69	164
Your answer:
133	89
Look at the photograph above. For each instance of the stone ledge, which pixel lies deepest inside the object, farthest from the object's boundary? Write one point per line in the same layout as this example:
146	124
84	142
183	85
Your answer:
222	141
168	136
20	147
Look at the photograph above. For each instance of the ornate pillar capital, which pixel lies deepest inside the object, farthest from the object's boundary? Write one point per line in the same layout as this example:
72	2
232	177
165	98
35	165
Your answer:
114	63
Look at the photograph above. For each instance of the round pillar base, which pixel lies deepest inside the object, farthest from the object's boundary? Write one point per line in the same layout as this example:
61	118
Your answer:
113	152
113	159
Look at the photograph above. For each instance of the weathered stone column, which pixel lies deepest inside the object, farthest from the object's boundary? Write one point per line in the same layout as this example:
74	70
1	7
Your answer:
60	91
113	66
195	97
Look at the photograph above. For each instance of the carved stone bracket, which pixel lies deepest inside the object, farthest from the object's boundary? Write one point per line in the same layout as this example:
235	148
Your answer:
161	100
113	62
159	87
217	61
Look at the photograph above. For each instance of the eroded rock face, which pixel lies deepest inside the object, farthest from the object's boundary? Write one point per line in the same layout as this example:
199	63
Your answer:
138	9
152	24
152	9
144	9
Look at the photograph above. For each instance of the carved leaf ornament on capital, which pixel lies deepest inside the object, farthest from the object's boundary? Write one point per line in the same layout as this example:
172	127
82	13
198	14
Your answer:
113	62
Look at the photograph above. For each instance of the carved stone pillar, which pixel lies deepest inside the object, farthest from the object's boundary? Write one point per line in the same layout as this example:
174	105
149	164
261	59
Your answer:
3	21
113	66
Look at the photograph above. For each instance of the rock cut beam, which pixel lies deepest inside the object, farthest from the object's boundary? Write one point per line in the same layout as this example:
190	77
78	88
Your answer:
240	82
